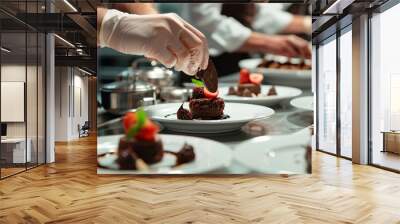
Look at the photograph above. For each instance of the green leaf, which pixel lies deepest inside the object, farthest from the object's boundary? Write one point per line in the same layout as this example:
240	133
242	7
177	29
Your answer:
198	83
140	120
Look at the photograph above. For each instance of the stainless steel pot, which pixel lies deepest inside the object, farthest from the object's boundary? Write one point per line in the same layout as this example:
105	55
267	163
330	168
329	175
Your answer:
175	94
154	73
119	97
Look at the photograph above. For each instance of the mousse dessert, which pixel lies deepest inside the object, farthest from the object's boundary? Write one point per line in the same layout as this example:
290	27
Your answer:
284	65
203	105
141	146
140	141
250	85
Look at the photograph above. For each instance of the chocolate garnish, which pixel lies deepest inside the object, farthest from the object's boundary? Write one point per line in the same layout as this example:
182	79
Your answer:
184	114
209	76
272	91
185	155
232	91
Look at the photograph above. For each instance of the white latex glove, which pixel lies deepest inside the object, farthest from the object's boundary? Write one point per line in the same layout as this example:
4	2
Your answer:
164	37
307	21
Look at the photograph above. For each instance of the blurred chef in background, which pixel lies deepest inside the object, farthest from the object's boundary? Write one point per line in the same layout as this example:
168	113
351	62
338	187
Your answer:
163	37
235	30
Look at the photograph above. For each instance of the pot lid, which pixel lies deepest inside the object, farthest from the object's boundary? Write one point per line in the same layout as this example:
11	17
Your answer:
155	73
128	86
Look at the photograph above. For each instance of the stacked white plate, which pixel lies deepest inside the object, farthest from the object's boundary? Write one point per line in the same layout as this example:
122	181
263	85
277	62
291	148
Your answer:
304	102
210	155
239	114
285	154
283	93
286	77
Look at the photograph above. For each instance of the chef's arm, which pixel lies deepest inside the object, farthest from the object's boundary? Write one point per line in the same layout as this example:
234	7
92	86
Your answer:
299	24
287	45
270	20
101	12
137	8
226	34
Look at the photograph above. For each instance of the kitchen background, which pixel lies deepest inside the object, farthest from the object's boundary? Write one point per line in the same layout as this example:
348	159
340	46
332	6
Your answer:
288	122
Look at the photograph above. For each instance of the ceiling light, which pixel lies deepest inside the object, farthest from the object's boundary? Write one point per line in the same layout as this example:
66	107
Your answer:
338	6
84	71
64	40
70	6
5	50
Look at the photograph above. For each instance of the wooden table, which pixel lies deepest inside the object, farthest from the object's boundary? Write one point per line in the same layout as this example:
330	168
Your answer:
13	150
391	141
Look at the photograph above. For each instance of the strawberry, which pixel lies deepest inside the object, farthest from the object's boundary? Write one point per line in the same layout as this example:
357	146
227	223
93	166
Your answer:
138	126
244	76
256	78
148	131
129	120
210	95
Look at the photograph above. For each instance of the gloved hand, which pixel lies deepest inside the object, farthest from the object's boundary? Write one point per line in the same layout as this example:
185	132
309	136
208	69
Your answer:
288	45
307	21
164	37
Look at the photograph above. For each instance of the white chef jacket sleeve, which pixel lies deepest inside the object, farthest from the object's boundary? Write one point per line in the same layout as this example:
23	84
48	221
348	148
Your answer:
224	34
270	19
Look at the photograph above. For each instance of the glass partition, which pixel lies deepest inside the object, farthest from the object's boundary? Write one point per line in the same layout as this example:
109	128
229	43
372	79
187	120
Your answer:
41	97
385	89
346	93
15	152
327	96
22	95
32	98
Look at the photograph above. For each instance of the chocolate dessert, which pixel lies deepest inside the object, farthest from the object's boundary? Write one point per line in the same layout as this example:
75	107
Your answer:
253	88
203	105
249	84
149	151
287	65
127	160
140	142
207	109
141	145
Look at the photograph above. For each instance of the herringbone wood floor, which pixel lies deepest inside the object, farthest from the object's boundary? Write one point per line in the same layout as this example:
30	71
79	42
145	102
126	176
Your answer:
69	191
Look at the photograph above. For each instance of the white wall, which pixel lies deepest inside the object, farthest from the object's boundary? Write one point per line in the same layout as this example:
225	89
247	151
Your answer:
33	127
16	73
70	84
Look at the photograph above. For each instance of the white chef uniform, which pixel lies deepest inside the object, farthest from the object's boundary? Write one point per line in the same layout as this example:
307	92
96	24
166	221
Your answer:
226	34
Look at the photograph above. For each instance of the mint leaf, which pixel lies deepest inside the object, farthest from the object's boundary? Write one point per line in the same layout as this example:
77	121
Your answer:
198	83
140	120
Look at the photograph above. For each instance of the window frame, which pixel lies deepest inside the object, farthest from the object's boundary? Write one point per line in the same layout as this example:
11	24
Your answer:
378	10
333	37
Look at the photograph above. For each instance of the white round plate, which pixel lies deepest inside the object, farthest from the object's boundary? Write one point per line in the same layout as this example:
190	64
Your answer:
295	78
284	93
304	102
239	115
210	155
274	154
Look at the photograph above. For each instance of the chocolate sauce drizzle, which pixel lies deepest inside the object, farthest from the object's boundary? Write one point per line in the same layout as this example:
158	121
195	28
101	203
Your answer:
223	117
185	155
